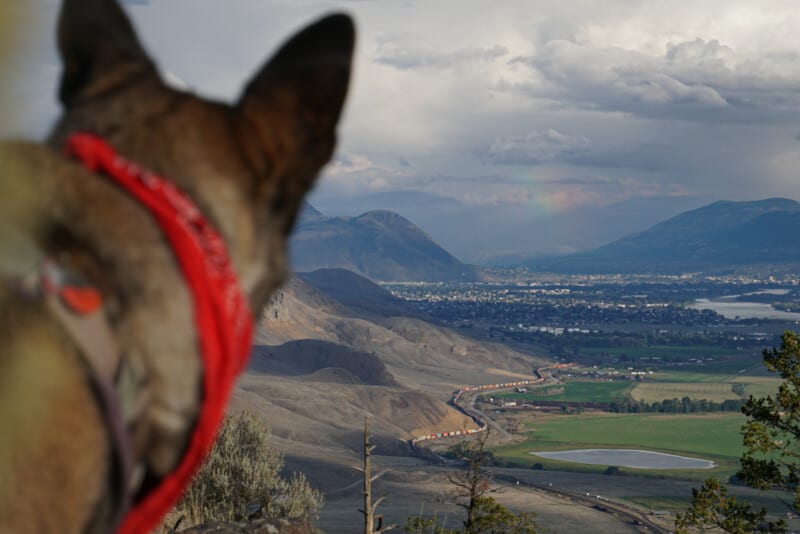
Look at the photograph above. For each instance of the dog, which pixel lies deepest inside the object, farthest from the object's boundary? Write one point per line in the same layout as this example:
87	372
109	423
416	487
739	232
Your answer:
94	418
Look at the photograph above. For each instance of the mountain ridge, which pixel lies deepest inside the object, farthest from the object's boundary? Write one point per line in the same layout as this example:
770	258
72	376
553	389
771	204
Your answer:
721	235
379	244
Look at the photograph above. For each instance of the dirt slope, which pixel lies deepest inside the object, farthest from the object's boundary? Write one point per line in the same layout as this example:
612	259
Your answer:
321	367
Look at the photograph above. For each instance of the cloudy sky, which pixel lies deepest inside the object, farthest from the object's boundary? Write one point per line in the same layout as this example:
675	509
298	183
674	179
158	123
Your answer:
534	108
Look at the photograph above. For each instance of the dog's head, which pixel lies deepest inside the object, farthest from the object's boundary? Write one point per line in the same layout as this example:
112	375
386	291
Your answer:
247	165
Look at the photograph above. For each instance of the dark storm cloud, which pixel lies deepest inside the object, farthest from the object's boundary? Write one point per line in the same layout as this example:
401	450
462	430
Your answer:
535	147
648	157
560	104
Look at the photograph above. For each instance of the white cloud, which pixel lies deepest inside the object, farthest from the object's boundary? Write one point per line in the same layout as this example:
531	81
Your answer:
418	57
692	80
357	173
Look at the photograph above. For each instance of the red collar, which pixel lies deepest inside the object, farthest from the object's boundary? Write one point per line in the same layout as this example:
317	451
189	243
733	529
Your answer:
222	319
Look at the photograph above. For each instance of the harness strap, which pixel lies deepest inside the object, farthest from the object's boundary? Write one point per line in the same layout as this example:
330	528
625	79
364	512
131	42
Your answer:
79	309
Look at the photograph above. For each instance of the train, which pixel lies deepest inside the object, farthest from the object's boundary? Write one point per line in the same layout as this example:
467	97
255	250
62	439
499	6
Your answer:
455	401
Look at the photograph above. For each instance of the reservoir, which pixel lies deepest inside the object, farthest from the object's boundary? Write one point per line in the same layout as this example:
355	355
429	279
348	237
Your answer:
636	459
731	309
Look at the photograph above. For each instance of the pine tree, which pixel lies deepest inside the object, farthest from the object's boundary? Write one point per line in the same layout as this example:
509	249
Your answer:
771	460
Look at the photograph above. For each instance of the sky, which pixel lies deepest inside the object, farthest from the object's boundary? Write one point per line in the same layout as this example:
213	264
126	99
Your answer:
510	112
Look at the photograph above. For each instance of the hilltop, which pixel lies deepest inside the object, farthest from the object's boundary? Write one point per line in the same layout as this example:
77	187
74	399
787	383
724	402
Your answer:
359	294
720	236
380	245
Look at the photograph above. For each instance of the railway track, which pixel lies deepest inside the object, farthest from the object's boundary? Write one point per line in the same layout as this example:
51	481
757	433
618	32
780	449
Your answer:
461	402
626	513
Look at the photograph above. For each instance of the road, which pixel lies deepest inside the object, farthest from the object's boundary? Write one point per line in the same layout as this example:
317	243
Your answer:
501	432
622	511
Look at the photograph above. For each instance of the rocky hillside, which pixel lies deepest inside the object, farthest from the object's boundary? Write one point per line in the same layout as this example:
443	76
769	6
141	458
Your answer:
359	294
329	361
320	367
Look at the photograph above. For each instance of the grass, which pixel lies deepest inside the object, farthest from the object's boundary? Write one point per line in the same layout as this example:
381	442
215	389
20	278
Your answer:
670	504
712	436
665	352
758	386
710	386
578	391
771	501
717	371
658	391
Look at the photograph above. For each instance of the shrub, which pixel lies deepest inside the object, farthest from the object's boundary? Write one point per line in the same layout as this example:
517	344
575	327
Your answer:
241	480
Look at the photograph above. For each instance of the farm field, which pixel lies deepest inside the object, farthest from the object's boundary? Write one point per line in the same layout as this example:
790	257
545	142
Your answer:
717	371
658	391
666	352
712	391
578	391
709	436
712	387
758	386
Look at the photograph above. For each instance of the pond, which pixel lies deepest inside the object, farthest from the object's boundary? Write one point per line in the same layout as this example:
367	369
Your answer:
636	459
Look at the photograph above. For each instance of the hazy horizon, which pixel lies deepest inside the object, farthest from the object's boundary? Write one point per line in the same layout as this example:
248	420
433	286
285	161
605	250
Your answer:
513	114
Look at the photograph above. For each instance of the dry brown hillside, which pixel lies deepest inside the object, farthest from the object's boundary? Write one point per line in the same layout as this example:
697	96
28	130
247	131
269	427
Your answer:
320	366
419	354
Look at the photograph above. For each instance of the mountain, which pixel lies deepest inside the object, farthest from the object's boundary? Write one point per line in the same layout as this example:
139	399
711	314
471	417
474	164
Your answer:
380	245
505	234
309	213
720	236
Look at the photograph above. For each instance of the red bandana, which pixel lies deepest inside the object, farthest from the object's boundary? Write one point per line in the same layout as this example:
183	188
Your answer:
222	318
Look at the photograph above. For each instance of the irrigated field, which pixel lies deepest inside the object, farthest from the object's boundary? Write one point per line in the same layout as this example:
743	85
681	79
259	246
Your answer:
712	391
658	391
661	351
758	386
711	436
578	391
714	371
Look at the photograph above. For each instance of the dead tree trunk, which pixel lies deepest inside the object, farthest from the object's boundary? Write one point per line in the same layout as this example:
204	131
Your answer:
370	508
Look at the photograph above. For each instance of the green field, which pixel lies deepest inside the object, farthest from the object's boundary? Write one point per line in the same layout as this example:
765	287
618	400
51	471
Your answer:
665	352
717	391
713	436
578	391
658	391
758	386
715	371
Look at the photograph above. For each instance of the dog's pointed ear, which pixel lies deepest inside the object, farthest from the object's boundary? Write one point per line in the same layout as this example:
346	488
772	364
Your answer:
99	49
291	107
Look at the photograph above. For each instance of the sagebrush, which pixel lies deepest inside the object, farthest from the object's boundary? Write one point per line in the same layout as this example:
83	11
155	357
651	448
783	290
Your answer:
241	480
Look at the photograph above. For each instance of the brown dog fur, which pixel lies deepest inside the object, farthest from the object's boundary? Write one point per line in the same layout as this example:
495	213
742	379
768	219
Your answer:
247	167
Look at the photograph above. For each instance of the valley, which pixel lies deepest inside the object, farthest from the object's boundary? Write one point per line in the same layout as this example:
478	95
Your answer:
646	371
385	324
